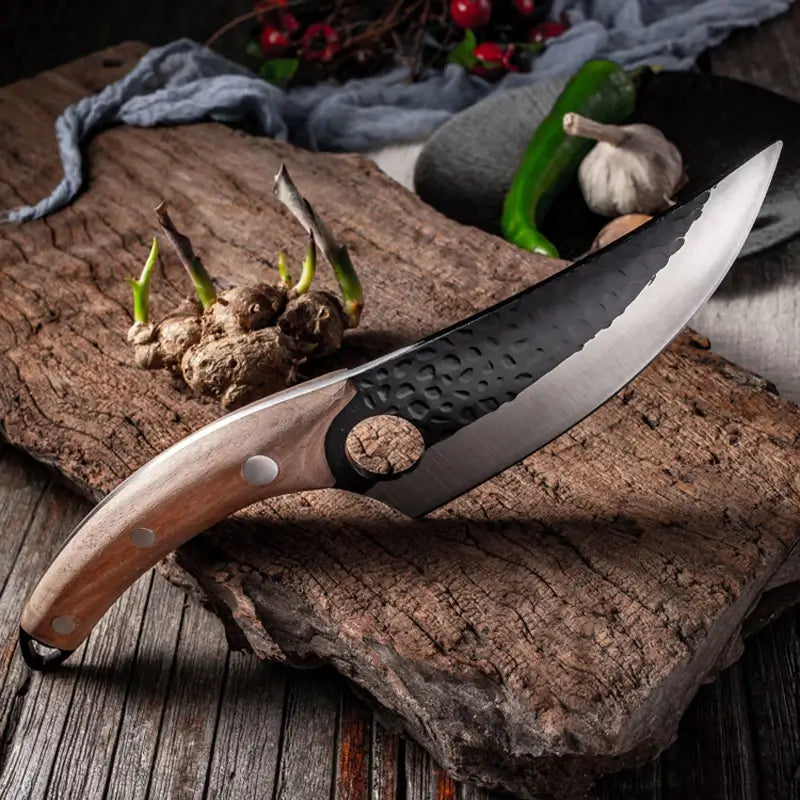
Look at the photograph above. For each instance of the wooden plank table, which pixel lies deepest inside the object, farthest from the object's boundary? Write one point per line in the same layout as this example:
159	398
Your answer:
167	711
157	706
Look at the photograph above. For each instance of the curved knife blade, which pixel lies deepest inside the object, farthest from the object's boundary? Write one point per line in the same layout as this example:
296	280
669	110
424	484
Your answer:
491	390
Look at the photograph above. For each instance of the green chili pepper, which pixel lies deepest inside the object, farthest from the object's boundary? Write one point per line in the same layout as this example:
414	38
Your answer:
600	90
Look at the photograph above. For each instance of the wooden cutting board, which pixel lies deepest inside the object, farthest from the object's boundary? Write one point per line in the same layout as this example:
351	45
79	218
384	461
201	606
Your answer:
550	624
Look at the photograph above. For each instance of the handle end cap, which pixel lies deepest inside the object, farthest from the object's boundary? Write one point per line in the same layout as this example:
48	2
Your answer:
37	660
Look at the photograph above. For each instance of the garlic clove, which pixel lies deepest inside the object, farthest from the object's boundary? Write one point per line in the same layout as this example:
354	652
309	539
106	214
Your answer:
617	228
632	168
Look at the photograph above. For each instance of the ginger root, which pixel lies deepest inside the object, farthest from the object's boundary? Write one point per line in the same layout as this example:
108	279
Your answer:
244	343
237	369
313	323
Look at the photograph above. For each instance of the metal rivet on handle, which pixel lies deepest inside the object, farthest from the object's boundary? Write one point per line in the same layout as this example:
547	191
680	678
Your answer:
143	537
260	470
63	625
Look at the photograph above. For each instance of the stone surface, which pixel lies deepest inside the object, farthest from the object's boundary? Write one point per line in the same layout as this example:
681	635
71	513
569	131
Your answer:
466	167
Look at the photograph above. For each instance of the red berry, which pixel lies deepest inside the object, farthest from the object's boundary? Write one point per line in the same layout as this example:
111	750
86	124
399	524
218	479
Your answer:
546	30
526	7
471	13
493	58
488	51
320	42
273	41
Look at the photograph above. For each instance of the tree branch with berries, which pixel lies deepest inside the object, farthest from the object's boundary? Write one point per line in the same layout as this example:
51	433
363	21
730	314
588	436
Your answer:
303	42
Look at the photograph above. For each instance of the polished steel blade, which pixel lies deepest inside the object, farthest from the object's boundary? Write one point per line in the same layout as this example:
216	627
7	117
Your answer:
604	363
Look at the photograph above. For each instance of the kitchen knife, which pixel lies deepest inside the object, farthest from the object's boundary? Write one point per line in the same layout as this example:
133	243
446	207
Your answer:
480	395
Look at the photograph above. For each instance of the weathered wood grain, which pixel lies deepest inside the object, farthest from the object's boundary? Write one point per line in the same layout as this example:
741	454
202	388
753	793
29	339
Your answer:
419	773
384	763
248	730
772	675
95	566
307	765
641	783
725	766
353	751
151	681
184	746
34	713
552	623
469	791
753	320
445	787
86	746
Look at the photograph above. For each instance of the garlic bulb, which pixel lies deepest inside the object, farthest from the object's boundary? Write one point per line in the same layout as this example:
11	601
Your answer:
631	169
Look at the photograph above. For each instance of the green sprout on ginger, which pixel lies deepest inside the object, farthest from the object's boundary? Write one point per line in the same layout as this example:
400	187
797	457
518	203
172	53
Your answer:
319	237
141	288
203	285
309	269
283	269
336	254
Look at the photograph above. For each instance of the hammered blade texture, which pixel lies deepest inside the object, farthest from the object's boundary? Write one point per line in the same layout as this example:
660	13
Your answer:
457	375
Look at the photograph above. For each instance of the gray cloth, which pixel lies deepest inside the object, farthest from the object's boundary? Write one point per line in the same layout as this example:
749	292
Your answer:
185	82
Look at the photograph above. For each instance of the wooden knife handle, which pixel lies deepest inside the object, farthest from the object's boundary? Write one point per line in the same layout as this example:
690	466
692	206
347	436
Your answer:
269	448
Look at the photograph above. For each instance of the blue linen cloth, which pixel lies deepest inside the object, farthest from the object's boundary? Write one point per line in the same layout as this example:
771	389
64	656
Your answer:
184	82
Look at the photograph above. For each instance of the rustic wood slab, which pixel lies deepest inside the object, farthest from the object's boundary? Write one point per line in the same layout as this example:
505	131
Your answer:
552	623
